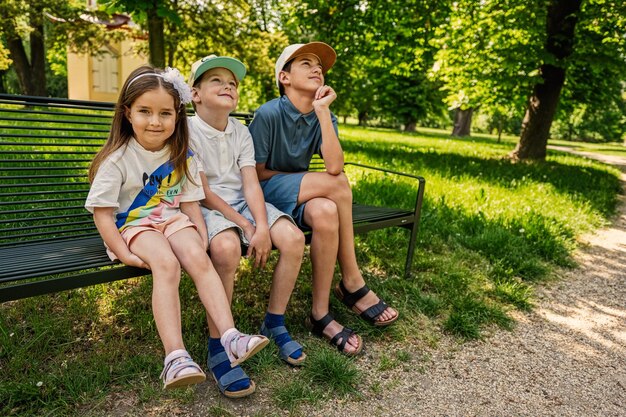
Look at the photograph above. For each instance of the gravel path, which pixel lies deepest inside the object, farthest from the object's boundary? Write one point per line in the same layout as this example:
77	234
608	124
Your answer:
565	358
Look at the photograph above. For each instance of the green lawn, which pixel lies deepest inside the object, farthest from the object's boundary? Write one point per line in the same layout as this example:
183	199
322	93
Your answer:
491	229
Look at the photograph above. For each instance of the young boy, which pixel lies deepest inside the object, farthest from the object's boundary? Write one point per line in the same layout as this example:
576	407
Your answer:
287	132
234	210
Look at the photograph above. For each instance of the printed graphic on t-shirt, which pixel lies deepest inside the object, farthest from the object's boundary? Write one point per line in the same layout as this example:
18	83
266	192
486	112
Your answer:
162	189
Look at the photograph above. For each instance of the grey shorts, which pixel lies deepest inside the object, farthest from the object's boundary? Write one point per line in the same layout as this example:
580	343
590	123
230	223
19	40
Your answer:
216	222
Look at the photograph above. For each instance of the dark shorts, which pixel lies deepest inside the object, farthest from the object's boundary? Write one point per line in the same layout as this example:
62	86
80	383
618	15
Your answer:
282	191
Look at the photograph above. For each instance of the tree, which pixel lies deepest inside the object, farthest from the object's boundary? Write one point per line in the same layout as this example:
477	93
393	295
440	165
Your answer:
34	29
485	57
498	53
153	14
560	28
20	19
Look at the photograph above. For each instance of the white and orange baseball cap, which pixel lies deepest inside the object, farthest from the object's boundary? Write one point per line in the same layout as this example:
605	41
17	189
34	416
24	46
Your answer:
324	52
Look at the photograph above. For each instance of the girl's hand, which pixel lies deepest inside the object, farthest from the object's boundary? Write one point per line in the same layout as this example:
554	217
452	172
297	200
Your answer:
134	260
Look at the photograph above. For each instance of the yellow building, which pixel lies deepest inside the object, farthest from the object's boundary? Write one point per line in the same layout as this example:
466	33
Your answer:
100	77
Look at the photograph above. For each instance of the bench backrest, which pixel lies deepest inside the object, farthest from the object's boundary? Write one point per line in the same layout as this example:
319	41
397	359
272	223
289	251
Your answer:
46	146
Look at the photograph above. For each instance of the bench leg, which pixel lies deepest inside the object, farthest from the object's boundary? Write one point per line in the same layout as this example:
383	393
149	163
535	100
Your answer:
411	250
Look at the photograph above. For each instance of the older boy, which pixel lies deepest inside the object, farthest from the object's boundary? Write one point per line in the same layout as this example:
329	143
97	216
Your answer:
287	132
234	210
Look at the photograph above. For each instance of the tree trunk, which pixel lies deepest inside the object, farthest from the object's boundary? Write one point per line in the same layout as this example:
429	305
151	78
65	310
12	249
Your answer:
462	122
3	89
156	38
561	22
410	126
21	65
363	117
38	61
31	76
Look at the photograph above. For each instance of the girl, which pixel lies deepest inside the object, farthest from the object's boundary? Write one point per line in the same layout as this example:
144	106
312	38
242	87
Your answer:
145	188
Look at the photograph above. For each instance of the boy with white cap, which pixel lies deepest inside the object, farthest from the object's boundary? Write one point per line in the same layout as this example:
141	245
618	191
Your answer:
234	210
287	132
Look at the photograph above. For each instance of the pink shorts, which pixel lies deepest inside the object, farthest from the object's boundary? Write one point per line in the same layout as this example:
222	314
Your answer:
167	228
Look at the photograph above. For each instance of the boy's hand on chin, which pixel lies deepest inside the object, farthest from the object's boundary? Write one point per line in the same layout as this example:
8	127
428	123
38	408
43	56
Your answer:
324	96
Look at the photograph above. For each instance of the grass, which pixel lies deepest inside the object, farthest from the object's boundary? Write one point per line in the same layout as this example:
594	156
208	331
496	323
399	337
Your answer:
490	230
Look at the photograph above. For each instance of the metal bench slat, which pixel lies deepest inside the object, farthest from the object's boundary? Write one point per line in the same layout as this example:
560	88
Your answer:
55	113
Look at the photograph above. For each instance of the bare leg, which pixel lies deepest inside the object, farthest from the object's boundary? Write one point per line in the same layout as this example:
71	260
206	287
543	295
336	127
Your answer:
225	249
155	250
188	248
321	215
289	241
337	189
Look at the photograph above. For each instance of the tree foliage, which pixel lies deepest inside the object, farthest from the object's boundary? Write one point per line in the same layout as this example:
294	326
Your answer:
399	63
491	54
384	51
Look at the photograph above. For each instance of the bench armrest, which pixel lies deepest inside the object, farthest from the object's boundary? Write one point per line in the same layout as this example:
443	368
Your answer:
421	182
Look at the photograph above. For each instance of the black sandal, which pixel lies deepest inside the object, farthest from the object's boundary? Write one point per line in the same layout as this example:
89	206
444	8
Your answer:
372	313
317	328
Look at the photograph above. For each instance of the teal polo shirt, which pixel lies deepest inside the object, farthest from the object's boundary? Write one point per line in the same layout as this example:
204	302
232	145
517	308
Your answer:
285	139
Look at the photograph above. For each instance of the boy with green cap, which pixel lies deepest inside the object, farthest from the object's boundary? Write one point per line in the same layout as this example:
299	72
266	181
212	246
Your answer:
287	132
234	211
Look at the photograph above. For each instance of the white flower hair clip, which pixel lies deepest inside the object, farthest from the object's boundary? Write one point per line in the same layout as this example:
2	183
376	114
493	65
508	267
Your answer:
174	77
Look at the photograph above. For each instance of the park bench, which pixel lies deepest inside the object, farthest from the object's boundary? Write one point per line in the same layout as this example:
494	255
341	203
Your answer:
48	241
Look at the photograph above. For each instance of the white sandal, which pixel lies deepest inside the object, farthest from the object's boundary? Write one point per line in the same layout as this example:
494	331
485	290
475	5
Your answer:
175	362
240	346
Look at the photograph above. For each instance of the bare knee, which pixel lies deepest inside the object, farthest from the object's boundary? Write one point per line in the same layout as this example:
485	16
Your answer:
341	190
289	240
225	249
322	215
166	267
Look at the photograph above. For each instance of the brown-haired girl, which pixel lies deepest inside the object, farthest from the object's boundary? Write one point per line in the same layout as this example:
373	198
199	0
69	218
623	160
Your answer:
145	188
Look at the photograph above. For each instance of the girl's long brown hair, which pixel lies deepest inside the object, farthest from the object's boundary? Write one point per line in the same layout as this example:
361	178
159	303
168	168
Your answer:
122	131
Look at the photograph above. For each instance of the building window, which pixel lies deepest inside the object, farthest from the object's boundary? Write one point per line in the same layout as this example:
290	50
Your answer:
105	74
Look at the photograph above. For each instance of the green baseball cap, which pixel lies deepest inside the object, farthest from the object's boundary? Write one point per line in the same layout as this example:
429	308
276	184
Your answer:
213	61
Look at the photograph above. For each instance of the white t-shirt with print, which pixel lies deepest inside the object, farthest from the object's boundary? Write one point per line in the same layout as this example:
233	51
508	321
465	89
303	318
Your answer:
133	176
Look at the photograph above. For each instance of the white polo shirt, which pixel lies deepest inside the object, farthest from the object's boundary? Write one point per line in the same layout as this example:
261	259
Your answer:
223	155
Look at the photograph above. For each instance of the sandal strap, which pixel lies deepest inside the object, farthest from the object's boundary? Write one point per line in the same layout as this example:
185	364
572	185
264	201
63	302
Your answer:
344	335
176	364
233	375
372	313
320	325
286	349
351	298
241	341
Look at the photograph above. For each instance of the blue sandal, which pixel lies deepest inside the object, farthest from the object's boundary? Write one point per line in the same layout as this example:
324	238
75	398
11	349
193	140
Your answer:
229	378
288	348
